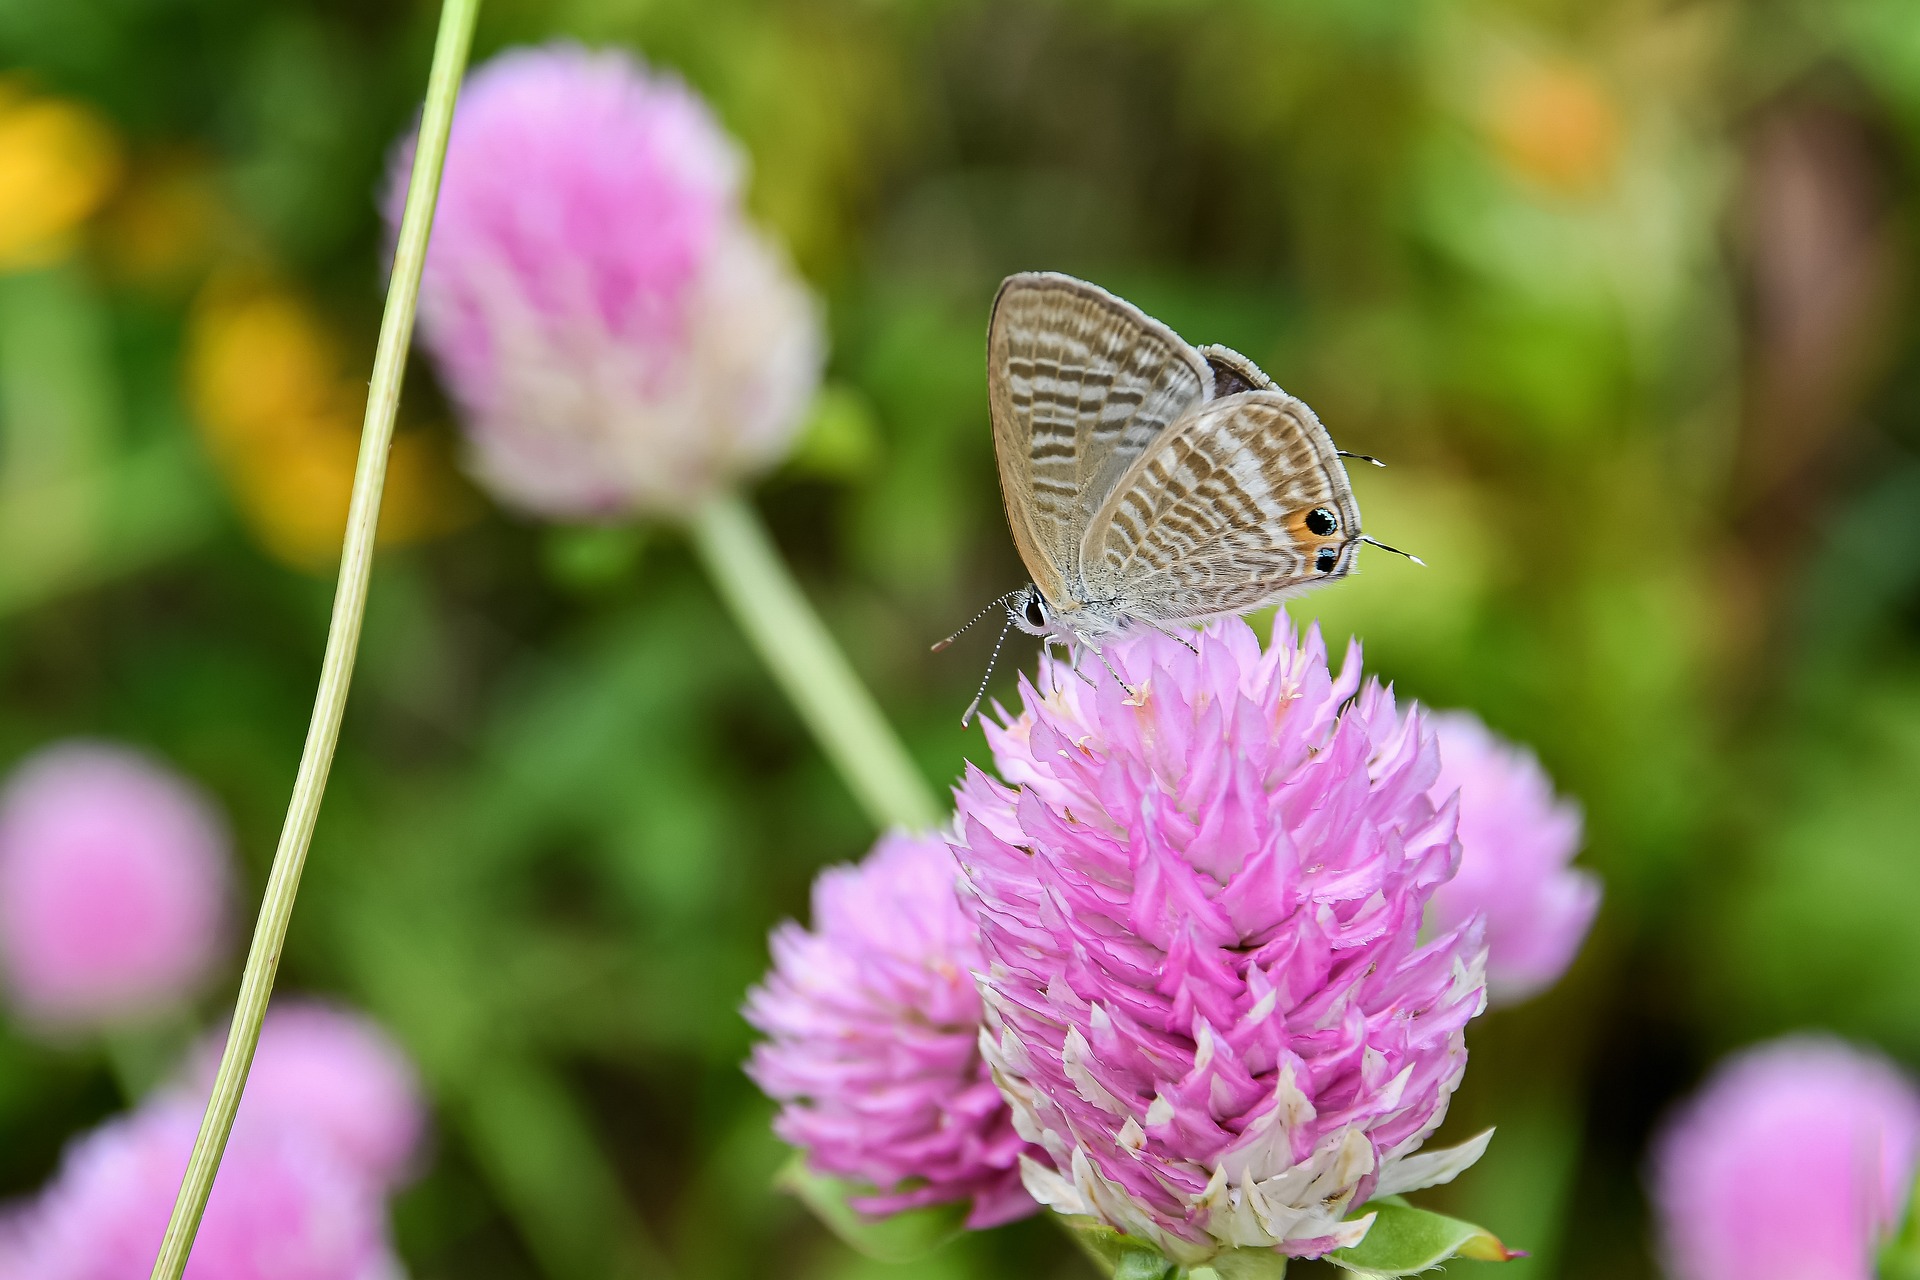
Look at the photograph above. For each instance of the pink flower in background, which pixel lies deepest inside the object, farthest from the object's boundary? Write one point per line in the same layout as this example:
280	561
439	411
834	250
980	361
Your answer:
1516	841
1795	1161
335	1073
618	338
873	1025
1206	996
114	881
284	1207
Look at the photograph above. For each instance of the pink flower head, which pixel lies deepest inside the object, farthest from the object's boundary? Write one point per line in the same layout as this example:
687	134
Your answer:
114	878
284	1207
618	338
1794	1162
1516	841
873	1025
1200	903
334	1073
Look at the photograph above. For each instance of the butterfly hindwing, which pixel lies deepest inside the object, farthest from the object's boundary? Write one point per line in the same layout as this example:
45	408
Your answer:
1233	372
1212	517
1080	383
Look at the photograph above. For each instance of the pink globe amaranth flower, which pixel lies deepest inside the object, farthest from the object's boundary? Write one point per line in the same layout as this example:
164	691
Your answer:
1516	841
1795	1161
873	1026
284	1207
1200	904
334	1073
618	338
114	886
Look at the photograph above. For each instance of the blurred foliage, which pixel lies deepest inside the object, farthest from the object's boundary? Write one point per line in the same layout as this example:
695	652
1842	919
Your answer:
1623	292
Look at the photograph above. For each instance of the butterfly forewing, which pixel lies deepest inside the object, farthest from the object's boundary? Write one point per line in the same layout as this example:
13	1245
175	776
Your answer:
1208	520
1080	384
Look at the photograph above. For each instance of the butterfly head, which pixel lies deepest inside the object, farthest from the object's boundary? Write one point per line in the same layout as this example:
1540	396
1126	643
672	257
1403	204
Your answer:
1028	610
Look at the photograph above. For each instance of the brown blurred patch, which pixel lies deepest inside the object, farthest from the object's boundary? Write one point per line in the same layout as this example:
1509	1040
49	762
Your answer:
1823	268
281	415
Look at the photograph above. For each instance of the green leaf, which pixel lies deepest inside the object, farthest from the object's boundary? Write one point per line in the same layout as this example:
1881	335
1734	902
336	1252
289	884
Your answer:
899	1237
1115	1254
591	558
1138	1265
1125	1257
841	438
1242	1264
1404	1240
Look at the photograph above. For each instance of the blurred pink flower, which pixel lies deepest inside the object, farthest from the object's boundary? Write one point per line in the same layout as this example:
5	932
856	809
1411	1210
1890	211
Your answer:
1200	910
284	1207
1516	841
1794	1162
114	881
619	340
333	1072
873	1021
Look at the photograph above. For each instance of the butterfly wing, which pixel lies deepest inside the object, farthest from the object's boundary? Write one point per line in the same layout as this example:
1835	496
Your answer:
1080	383
1234	373
1212	517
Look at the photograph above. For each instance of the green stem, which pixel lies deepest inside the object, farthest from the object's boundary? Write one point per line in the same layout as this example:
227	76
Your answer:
1900	1260
343	639
797	648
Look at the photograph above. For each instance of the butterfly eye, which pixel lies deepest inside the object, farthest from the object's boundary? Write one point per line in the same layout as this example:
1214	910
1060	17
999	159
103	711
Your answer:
1321	522
1326	559
1035	611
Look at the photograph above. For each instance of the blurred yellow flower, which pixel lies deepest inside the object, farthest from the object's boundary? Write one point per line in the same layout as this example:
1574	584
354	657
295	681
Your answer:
166	224
281	415
1555	124
58	162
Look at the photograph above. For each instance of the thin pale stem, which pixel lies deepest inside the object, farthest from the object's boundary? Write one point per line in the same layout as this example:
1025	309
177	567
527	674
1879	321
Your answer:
343	639
809	666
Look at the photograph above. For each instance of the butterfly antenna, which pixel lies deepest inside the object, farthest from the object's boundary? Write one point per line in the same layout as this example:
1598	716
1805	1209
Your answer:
1375	542
966	717
1360	457
991	606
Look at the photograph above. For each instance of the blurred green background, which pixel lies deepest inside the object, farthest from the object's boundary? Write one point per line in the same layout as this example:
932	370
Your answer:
1623	291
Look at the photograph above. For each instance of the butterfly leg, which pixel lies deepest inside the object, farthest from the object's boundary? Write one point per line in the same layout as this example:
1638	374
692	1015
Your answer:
1073	658
1131	691
1174	631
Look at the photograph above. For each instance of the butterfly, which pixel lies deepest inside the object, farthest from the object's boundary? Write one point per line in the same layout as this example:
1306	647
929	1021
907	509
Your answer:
1148	481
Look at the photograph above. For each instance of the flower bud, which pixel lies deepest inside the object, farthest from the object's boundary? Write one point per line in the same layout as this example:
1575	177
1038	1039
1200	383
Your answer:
1200	902
620	341
1795	1161
873	1026
114	881
334	1073
283	1207
1516	841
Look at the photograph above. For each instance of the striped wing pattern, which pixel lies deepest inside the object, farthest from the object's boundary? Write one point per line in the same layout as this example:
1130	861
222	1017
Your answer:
1209	518
1080	384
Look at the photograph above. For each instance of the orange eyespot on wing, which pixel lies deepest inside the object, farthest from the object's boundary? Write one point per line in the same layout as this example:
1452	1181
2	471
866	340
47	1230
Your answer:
1223	513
